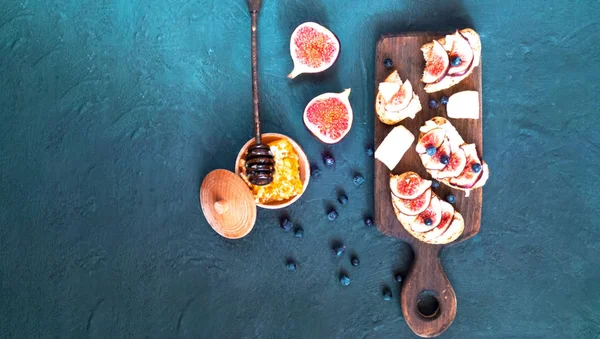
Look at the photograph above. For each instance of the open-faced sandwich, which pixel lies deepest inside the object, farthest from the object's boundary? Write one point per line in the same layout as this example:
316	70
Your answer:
395	100
448	158
421	212
451	59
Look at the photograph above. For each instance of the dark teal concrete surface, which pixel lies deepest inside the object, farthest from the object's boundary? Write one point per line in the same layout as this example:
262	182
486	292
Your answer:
112	112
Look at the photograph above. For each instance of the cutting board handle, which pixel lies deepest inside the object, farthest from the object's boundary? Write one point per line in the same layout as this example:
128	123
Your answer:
428	299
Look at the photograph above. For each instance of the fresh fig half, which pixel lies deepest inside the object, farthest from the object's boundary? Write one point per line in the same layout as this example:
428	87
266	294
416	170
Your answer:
313	48
401	99
459	46
413	206
408	185
437	63
445	221
432	213
468	177
434	137
434	162
455	166
329	116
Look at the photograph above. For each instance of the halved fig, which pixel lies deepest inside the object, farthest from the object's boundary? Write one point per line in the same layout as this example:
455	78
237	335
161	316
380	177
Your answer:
467	177
413	206
455	166
430	218
458	46
329	116
313	48
401	99
437	63
434	162
408	185
434	137
453	232
446	220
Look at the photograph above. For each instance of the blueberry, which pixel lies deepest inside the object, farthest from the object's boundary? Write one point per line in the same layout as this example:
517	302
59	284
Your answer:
444	100
388	63
445	159
398	278
387	294
476	168
359	180
299	232
428	222
315	172
329	160
430	150
433	103
343	199
455	61
354	261
370	152
435	184
344	280
291	266
451	198
286	224
368	221
332	215
339	250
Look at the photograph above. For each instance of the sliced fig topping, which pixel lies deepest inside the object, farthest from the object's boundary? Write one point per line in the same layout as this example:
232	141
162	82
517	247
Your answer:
408	185
460	53
433	138
453	231
446	220
440	159
429	218
313	49
455	166
468	177
413	206
329	116
437	63
401	99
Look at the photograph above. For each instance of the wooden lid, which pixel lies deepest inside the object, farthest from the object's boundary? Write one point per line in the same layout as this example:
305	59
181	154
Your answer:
227	204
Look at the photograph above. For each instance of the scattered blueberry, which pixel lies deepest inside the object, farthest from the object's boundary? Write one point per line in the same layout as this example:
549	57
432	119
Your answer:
433	103
430	150
344	280
299	232
435	184
398	278
332	215
368	221
315	172
387	294
343	199
428	222
455	61
388	63
329	160
444	100
451	198
445	159
476	168
359	180
339	250
286	224
370	152
291	266
355	261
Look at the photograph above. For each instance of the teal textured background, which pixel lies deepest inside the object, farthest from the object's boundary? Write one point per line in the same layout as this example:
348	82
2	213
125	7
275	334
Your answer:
112	112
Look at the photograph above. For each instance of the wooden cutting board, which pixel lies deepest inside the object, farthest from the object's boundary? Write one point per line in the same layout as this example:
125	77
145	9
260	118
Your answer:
426	281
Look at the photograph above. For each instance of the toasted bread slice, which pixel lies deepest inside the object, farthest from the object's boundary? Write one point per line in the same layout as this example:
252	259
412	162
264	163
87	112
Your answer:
392	118
449	81
456	141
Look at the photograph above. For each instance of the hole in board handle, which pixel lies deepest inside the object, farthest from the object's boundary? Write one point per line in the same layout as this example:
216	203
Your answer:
428	305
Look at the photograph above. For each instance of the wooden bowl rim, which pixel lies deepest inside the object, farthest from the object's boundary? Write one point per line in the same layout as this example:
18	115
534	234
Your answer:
302	159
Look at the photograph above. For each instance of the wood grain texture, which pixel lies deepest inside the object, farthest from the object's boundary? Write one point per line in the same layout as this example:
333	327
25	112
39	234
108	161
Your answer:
426	273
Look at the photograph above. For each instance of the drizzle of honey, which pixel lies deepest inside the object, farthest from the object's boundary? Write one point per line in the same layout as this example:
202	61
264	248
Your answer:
286	180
